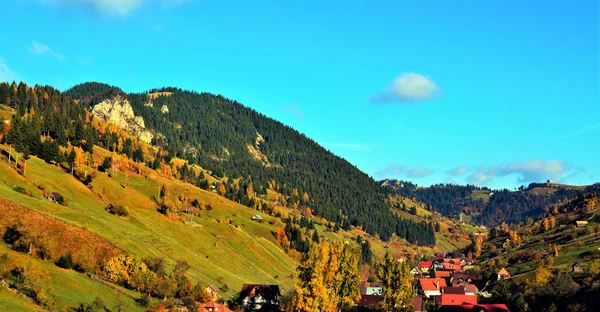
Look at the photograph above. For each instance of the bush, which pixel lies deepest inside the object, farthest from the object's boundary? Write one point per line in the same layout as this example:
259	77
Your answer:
21	190
65	261
119	210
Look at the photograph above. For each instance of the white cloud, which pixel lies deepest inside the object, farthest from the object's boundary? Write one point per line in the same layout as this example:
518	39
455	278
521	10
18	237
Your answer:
403	170
353	146
525	171
408	87
113	7
458	171
42	49
535	170
293	109
6	74
481	176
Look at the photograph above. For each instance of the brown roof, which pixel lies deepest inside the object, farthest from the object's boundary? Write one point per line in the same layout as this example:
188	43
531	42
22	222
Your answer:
368	300
470	288
459	290
429	284
464	276
214	288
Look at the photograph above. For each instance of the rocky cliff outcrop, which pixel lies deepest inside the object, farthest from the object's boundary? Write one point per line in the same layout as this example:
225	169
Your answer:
118	110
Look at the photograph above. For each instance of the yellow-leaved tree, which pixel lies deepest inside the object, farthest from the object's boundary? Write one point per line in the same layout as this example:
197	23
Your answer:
329	278
397	284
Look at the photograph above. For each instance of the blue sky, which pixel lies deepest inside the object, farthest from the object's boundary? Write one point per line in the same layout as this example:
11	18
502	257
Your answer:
497	93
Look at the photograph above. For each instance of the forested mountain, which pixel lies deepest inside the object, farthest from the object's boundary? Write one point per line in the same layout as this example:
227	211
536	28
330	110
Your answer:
448	199
219	134
499	206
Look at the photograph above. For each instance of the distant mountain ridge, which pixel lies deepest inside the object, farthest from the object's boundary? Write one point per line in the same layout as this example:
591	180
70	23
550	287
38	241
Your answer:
489	207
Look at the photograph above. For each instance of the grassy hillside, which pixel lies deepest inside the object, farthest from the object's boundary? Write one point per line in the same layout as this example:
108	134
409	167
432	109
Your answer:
62	289
223	245
575	244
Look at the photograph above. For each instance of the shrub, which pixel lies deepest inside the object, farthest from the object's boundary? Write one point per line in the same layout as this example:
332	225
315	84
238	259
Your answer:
19	189
119	210
65	261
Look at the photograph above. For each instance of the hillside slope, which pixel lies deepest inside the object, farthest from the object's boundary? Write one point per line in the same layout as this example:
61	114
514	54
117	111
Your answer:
232	140
541	257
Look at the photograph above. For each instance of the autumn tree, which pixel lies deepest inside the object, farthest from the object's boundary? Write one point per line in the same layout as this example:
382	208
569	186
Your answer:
477	245
329	277
397	284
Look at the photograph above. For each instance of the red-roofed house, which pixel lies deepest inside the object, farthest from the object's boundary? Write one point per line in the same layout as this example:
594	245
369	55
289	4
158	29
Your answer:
432	286
455	299
453	267
475	308
425	266
442	274
452	260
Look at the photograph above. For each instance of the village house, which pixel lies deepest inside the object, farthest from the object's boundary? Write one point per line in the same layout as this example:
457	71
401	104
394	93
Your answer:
578	267
453	264
55	197
256	297
367	288
213	307
368	300
455	299
425	266
581	223
432	286
469	289
257	217
402	259
475	308
213	291
463	277
453	267
442	274
503	274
